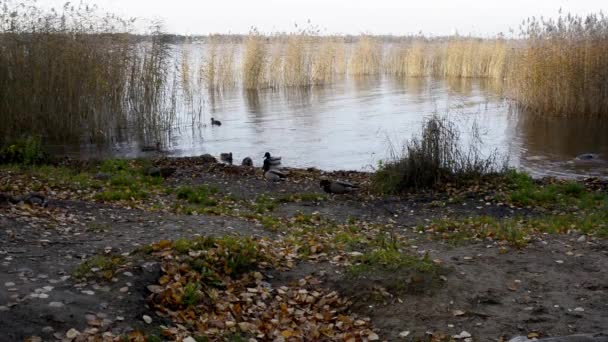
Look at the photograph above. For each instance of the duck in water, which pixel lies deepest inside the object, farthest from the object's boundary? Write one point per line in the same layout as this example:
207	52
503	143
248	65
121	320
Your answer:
215	122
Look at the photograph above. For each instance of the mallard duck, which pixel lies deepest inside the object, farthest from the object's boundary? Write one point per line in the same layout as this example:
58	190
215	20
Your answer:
151	148
338	187
272	174
271	159
247	162
226	157
215	122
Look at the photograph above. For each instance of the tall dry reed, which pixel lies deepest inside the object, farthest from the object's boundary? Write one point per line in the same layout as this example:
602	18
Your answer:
366	58
254	62
76	73
563	67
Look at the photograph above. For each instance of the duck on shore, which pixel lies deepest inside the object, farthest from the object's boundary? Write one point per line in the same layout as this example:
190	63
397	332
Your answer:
271	159
272	175
215	122
338	187
226	158
247	162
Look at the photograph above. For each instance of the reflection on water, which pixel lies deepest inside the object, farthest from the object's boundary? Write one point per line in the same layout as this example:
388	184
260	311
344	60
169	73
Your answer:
351	124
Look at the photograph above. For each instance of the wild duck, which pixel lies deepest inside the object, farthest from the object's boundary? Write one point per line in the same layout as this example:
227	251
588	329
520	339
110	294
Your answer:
247	162
226	157
215	122
338	187
272	174
151	148
271	159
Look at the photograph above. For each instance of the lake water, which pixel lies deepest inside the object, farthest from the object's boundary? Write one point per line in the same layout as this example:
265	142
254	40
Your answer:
353	124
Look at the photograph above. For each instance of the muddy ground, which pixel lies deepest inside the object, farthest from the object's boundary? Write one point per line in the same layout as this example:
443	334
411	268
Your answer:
557	285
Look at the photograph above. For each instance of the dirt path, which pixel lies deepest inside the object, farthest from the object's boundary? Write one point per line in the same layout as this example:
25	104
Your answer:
558	285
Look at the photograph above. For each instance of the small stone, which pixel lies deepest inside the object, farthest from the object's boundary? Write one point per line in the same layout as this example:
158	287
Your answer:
43	296
47	330
124	289
404	334
120	318
88	292
56	304
462	335
559	261
373	336
246	327
128	274
579	309
147	319
48	288
189	339
4	308
9	284
583	238
72	334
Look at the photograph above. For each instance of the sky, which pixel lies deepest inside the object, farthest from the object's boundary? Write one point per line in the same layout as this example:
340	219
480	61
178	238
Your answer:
399	17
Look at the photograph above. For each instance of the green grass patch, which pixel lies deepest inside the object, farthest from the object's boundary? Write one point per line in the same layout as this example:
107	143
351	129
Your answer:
391	258
201	195
517	232
192	295
524	191
102	266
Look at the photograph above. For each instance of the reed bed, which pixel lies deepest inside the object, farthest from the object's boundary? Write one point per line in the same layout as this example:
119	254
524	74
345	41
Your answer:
366	57
448	57
563	67
218	68
255	58
77	74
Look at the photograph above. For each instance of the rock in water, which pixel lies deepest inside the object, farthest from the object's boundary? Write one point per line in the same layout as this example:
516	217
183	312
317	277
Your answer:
587	156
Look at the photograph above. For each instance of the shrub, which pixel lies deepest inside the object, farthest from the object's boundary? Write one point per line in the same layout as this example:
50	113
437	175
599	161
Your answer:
436	157
26	151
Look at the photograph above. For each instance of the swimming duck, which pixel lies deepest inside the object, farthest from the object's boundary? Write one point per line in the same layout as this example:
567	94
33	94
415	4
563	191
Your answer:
338	187
247	162
271	174
215	122
151	148
271	159
226	157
